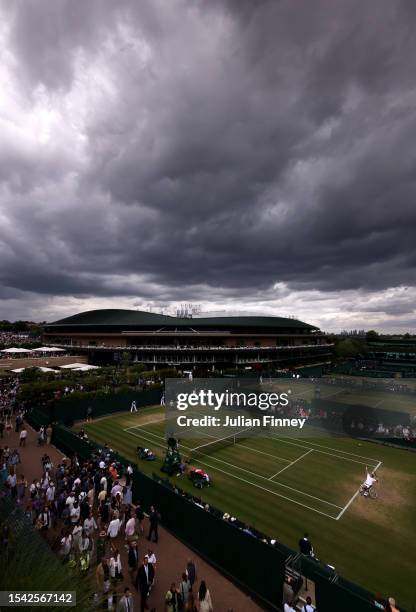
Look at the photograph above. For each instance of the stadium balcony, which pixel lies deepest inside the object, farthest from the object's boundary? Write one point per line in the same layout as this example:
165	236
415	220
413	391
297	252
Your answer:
133	347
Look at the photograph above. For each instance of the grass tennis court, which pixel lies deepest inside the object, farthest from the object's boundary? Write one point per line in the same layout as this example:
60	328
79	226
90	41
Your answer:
339	391
284	486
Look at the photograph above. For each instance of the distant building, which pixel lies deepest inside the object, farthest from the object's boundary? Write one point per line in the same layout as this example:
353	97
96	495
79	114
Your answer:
392	354
200	344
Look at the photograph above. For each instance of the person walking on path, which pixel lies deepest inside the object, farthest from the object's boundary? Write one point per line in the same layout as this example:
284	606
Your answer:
204	597
154	523
23	437
133	559
191	572
126	602
144	580
185	588
173	599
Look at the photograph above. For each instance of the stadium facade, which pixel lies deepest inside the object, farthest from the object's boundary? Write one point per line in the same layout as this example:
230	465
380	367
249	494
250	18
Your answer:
198	344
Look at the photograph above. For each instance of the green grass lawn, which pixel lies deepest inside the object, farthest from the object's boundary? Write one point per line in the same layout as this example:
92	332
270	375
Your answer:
284	486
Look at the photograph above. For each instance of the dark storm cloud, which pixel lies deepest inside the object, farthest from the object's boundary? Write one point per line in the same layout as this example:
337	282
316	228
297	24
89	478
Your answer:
209	149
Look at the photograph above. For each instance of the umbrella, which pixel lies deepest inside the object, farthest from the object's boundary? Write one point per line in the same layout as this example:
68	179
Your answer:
16	350
18	370
85	368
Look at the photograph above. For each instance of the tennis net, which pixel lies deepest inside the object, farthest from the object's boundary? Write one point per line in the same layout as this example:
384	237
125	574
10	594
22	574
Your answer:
211	447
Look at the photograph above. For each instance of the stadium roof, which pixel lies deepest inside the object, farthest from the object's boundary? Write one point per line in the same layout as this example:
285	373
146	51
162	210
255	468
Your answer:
137	318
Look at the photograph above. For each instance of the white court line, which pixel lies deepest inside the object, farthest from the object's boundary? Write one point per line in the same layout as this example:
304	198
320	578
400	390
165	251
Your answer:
254	450
337	450
353	497
317	450
326	395
279	484
147	423
290	465
252	484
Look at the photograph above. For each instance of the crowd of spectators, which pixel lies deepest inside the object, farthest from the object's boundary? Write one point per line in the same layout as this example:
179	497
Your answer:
85	510
389	384
13	338
8	393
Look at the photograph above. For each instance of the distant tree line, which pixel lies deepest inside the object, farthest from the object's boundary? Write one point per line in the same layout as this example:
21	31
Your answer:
18	327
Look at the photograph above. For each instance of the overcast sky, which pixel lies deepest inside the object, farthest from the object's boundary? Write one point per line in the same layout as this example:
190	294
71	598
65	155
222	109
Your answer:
248	156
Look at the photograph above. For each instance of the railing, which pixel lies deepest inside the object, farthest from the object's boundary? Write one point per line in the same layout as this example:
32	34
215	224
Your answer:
93	347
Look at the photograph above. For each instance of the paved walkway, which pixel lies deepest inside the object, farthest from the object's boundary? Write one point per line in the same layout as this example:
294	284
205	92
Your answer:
171	554
47	361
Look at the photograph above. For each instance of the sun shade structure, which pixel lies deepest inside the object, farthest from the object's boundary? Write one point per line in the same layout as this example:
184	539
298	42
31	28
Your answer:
86	368
48	349
18	370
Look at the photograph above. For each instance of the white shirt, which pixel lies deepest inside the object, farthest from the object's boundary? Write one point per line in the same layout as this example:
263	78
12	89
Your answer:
308	608
130	526
50	493
90	525
75	514
288	608
116	489
84	544
370	480
114	528
70	501
115	563
66	544
152	559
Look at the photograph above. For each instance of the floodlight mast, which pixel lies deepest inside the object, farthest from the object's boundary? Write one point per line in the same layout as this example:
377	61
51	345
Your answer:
187	311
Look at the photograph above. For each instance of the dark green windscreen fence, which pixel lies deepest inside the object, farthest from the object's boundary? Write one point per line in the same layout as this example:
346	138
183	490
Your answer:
67	411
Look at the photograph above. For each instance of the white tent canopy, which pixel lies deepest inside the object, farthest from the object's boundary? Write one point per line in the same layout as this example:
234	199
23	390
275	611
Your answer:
48	349
42	369
16	350
18	370
79	366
